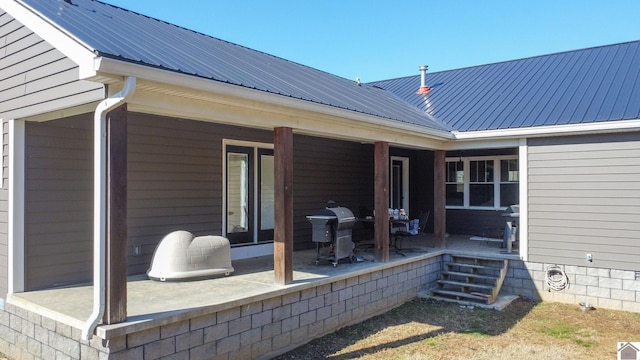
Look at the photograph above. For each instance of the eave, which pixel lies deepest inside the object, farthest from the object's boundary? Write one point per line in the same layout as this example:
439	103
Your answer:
505	137
169	93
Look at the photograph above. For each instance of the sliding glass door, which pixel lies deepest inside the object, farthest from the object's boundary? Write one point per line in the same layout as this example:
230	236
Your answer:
249	194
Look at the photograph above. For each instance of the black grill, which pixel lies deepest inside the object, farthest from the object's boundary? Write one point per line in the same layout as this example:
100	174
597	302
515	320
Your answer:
332	233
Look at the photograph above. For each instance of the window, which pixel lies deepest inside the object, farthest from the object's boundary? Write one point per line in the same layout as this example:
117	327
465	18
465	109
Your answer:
509	182
482	182
455	183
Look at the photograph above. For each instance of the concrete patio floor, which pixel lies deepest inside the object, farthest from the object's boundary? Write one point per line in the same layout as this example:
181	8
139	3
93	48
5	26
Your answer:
252	280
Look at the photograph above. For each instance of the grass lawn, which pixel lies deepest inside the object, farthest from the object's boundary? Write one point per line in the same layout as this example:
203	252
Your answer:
427	329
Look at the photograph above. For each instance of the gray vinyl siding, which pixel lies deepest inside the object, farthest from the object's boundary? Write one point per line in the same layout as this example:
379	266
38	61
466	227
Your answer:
4	212
36	77
584	197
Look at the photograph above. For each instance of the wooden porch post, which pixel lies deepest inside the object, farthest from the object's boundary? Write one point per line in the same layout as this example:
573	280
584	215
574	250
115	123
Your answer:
283	183
381	200
116	239
439	198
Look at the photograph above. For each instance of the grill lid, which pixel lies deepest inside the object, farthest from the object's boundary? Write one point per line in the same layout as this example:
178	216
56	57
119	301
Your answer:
344	216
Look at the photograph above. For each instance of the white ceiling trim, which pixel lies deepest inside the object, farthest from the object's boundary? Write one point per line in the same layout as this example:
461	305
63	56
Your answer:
267	116
169	83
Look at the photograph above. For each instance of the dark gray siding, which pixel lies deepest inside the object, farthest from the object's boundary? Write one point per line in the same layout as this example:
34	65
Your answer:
175	179
584	197
58	202
486	223
420	182
4	211
329	170
36	77
174	182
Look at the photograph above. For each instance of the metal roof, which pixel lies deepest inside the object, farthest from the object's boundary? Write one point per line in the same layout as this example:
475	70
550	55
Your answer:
583	86
117	33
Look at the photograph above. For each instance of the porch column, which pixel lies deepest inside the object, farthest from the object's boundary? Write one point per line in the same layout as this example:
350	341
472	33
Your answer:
116	239
381	200
283	209
439	198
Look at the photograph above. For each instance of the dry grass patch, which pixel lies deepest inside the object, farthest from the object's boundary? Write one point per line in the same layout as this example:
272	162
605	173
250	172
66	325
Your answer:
425	329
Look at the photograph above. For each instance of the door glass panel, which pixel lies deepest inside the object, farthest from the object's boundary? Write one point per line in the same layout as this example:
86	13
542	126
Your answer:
237	192
266	192
396	184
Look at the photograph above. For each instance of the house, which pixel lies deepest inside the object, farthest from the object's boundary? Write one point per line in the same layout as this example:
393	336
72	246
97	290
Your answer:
119	128
627	351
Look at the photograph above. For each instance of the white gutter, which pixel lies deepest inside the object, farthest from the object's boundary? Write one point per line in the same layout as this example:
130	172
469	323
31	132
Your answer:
99	201
554	130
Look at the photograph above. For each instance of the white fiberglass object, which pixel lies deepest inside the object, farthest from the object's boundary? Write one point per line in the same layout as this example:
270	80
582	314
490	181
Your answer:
182	256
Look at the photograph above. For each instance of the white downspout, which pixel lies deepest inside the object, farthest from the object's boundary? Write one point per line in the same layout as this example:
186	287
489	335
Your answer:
99	201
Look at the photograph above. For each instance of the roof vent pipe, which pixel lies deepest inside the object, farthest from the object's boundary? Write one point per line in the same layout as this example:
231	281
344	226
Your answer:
423	86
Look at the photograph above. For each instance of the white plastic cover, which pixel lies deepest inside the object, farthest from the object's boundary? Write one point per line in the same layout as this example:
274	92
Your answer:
182	256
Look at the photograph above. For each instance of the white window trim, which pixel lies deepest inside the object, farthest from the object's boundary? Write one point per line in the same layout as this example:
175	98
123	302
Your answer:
523	219
405	179
496	180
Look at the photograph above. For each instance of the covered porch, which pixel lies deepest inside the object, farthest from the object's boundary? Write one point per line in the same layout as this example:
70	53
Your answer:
270	304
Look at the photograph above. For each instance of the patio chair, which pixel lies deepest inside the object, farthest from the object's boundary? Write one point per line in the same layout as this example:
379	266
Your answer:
366	230
399	235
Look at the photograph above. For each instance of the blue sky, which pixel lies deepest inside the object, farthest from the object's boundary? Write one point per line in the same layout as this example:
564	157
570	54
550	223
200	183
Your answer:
378	39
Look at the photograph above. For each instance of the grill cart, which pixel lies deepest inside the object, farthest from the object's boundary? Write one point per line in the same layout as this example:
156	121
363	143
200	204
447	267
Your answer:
332	233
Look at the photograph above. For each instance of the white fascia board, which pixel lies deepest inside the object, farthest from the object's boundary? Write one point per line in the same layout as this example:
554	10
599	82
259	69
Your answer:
482	144
106	67
79	52
553	130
